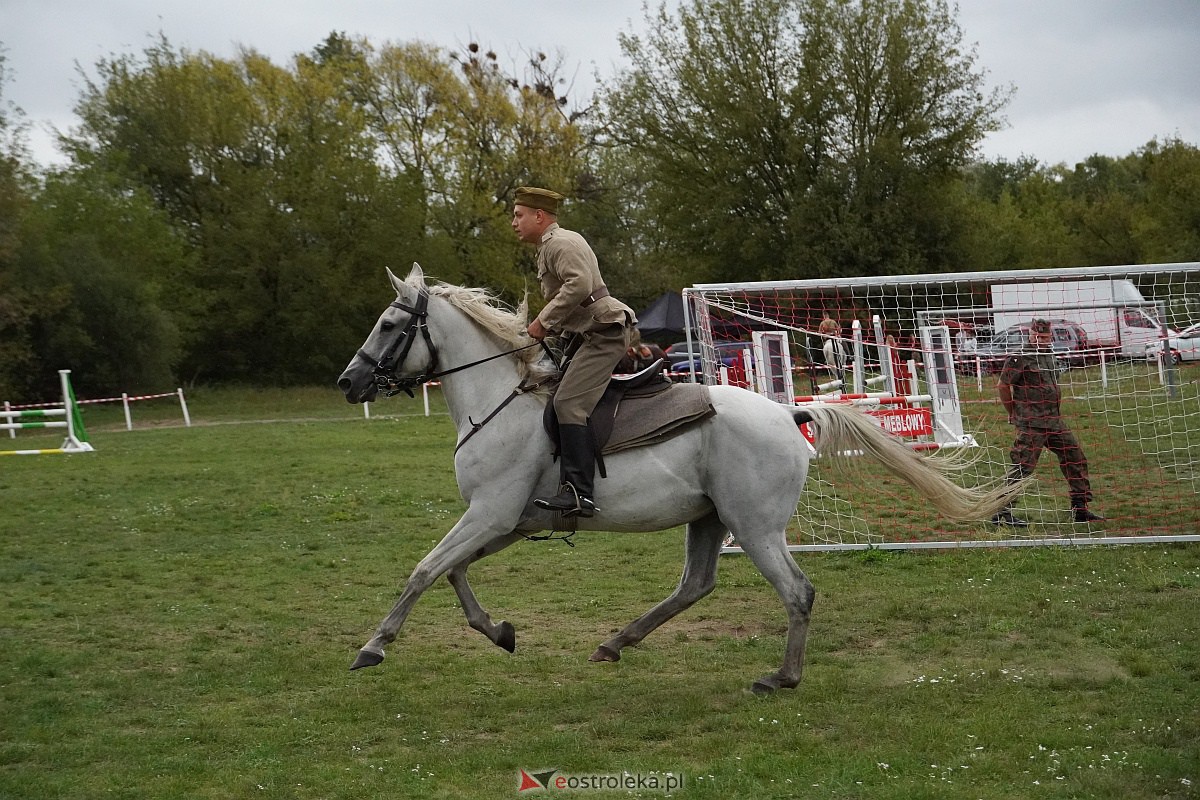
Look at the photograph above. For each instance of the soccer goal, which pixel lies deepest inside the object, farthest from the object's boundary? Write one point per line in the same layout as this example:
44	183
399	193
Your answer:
921	353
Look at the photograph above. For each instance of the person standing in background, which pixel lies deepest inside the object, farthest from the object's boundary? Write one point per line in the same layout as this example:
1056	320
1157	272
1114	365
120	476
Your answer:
1028	389
835	357
639	355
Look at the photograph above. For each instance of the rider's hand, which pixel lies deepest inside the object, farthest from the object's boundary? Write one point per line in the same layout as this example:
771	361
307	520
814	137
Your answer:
536	330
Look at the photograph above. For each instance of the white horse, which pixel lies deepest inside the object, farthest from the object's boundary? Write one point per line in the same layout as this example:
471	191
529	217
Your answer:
740	471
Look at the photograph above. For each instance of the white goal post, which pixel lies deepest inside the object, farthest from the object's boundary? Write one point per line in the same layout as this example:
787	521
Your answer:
921	353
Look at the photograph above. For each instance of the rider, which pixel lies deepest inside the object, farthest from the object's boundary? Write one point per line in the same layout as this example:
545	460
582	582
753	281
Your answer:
577	302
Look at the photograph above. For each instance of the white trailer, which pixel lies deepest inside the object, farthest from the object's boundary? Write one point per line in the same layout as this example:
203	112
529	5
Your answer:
1111	310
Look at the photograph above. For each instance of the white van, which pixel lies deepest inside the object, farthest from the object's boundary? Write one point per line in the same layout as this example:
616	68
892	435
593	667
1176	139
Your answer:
1112	311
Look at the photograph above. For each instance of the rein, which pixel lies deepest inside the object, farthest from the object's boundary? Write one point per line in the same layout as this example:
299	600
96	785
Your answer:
429	376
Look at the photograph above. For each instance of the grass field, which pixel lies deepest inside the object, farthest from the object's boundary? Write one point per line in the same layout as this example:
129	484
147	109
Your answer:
178	611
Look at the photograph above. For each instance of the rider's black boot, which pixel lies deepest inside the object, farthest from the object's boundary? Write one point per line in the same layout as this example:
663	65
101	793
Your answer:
577	452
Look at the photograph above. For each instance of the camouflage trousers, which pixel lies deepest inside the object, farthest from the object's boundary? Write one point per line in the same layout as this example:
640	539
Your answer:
1027	449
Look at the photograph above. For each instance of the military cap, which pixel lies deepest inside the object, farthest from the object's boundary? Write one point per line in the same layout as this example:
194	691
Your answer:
544	199
1040	326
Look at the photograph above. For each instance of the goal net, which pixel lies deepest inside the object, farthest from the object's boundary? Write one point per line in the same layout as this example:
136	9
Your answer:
922	354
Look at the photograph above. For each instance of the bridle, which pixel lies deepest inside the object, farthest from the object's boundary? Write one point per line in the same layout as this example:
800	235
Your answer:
386	379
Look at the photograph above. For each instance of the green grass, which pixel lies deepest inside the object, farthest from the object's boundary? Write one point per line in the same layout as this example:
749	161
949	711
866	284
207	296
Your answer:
178	611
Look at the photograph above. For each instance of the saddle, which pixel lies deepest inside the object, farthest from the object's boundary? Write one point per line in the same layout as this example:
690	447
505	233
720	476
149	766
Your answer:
638	410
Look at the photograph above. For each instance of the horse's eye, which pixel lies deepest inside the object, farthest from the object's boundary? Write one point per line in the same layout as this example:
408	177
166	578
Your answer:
386	326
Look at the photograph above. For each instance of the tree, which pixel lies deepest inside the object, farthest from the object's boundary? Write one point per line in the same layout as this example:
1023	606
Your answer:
270	174
17	355
1138	208
1015	218
471	133
296	185
1167	227
1098	198
91	261
799	138
14	170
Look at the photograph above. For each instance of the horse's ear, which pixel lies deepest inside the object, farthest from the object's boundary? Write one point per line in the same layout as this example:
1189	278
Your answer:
410	285
397	284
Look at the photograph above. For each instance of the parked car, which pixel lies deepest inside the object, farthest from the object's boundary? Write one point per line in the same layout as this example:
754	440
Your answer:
685	351
681	351
682	359
1185	345
1068	342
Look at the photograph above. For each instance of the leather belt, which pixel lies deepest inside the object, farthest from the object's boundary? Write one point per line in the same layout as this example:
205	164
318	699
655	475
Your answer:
594	296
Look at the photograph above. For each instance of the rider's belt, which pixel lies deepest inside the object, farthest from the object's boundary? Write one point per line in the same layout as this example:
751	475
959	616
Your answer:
594	296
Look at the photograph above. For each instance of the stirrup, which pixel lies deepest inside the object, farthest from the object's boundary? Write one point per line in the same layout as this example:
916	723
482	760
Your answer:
568	502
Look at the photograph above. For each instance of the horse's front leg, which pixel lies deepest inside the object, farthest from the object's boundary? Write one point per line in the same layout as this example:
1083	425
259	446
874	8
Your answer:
473	532
500	633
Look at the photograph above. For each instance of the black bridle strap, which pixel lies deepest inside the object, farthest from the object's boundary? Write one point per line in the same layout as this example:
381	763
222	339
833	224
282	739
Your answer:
432	376
524	388
385	367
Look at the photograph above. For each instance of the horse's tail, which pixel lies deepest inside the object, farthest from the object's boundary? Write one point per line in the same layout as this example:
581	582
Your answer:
842	429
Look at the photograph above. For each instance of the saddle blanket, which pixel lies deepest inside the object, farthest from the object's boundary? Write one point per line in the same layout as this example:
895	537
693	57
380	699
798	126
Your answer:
646	419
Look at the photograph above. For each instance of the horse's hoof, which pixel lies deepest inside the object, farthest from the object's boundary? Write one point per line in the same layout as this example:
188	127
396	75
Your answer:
367	658
762	686
769	683
605	653
508	636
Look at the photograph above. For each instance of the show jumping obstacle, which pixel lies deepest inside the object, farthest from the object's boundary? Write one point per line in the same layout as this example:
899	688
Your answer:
76	441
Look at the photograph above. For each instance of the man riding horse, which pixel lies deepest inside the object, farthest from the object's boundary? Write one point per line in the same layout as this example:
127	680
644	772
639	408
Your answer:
740	469
578	303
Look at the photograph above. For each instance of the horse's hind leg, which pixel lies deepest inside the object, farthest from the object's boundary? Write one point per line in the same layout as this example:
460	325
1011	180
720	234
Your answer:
769	553
703	548
500	633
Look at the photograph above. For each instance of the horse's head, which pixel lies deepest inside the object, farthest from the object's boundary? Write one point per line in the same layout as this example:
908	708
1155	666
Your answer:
398	354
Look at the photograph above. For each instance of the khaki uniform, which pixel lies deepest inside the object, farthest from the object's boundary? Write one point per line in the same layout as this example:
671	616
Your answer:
1037	413
569	273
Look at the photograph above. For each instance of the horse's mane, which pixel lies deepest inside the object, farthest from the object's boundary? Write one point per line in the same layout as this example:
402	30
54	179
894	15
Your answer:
500	320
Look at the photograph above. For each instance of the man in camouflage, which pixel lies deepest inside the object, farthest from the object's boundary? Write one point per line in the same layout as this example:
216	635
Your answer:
1028	389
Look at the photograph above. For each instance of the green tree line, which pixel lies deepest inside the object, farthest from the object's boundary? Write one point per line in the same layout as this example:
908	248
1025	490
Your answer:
228	219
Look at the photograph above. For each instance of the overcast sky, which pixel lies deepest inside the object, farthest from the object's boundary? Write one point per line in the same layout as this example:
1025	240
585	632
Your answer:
1091	76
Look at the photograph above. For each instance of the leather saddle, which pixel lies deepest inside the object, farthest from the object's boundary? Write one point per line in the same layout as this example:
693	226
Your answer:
637	410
